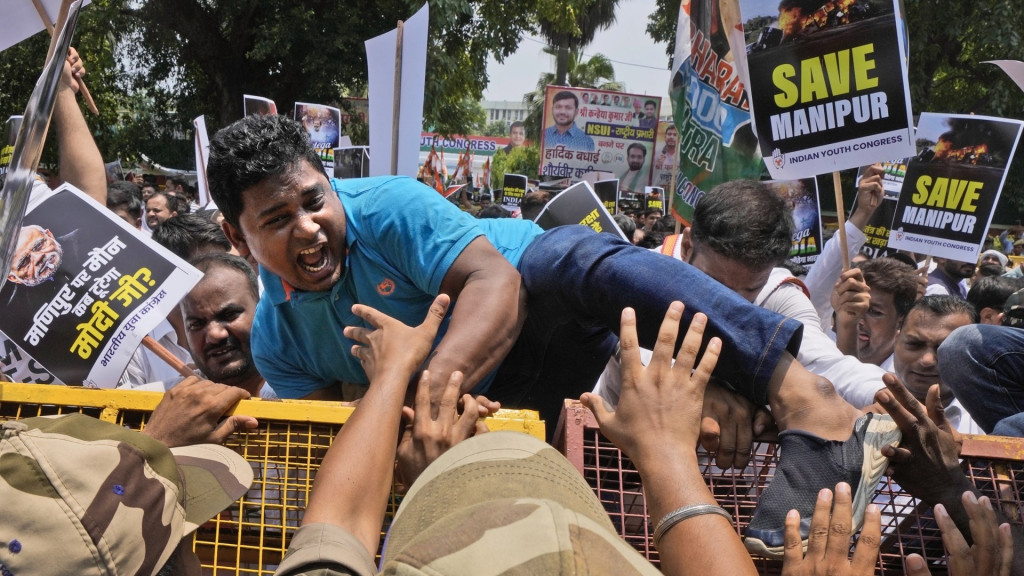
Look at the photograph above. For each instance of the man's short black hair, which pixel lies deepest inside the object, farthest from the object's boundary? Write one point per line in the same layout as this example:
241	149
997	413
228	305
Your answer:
992	291
125	195
637	145
894	276
210	260
250	150
188	234
945	305
566	95
745	221
651	103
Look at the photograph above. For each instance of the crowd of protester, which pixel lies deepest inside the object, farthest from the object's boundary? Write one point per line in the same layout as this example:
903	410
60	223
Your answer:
673	338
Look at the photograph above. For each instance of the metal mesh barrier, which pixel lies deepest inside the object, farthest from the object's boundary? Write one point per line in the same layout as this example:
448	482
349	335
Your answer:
994	464
285	452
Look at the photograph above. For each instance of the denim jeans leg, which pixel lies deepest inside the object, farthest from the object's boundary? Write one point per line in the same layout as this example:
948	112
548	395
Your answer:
984	366
575	276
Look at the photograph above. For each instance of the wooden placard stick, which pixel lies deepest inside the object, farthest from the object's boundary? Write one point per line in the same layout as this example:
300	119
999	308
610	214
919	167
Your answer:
49	28
167	357
841	215
396	109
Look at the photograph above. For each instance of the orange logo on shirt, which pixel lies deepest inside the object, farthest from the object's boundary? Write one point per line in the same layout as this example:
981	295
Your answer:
386	287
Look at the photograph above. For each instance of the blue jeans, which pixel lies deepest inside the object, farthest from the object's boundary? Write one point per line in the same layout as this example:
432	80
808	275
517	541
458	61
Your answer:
984	366
577	283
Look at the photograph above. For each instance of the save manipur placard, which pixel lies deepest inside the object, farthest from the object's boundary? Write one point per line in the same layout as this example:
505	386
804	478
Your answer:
828	85
84	289
588	130
952	185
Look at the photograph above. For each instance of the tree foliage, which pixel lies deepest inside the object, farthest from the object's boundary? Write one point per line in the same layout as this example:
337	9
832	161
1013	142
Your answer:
153	66
521	160
594	72
948	41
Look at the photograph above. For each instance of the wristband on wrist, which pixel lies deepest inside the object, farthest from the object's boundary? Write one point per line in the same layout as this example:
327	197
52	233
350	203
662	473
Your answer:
679	514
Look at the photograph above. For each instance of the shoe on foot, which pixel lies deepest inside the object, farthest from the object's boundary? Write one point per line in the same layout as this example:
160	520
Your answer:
807	464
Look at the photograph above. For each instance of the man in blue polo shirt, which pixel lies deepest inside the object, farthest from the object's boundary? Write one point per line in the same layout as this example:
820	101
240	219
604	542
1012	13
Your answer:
532	314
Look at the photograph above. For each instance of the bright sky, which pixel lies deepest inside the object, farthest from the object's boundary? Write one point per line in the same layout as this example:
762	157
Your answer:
639	62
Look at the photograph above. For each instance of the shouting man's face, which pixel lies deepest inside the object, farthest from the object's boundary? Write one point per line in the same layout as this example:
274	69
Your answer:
36	256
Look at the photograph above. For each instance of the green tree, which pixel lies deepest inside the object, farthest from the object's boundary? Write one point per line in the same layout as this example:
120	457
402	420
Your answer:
523	160
573	28
594	72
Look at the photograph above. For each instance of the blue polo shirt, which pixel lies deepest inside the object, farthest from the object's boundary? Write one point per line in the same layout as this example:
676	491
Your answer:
402	239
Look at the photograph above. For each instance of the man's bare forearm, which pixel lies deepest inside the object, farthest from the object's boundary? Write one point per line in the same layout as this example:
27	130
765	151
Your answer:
80	161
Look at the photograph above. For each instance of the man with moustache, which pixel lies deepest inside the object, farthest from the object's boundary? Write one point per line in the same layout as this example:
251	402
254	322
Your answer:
37	255
634	179
218	315
948	278
564	132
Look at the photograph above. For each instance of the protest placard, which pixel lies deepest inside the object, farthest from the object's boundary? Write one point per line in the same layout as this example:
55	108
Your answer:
654	199
258	105
709	104
114	171
877	230
84	288
11	128
608	192
578	204
514	188
802	197
590	130
666	154
952	185
828	86
352	162
322	123
201	145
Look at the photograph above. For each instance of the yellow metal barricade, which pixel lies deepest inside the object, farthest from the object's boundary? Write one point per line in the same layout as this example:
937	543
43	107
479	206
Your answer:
285	452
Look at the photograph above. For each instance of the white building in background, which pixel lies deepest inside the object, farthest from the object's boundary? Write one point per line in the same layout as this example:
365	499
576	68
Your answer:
505	111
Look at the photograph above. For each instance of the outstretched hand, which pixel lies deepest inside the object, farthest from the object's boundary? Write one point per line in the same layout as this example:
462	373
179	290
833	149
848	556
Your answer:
391	346
992	552
427	436
659	410
74	70
193	413
927	462
828	543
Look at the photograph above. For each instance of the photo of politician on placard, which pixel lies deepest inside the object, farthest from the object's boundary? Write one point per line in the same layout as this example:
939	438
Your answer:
828	85
952	185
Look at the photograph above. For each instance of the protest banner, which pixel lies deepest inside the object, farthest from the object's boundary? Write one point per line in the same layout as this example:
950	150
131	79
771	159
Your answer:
589	130
608	192
802	197
666	155
513	191
828	87
397	69
455	144
84	288
258	105
23	19
952	185
578	204
709	104
352	162
877	228
114	171
630	202
322	123
21	172
11	128
201	143
654	199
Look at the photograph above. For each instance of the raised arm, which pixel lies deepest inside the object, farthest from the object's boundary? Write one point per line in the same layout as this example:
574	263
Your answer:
489	310
80	161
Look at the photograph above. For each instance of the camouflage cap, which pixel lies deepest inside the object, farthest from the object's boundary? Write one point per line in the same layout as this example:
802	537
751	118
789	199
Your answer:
505	502
83	496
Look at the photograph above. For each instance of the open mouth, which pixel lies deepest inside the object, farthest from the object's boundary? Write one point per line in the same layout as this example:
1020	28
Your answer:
314	260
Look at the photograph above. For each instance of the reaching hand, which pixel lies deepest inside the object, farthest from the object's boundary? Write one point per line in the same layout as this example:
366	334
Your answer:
828	544
192	412
992	552
660	407
728	425
74	69
927	461
427	437
391	345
